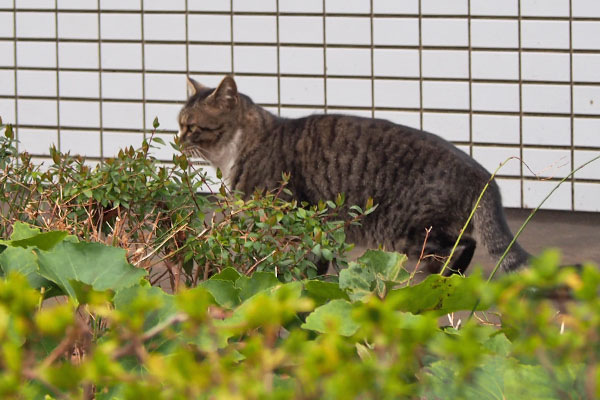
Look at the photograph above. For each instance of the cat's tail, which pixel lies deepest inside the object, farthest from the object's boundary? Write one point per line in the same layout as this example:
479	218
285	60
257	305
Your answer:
491	228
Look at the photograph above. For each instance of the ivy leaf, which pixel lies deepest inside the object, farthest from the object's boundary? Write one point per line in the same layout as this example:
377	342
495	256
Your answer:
257	282
102	267
225	293
335	316
322	292
441	295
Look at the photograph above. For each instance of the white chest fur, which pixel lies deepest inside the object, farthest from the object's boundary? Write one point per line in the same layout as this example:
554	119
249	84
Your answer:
225	158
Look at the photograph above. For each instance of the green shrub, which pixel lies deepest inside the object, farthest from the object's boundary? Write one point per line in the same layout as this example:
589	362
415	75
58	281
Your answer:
246	317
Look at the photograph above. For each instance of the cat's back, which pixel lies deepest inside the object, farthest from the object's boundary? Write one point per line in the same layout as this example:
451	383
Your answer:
342	153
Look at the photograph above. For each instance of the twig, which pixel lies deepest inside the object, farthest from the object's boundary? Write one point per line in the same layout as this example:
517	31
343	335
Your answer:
259	261
412	275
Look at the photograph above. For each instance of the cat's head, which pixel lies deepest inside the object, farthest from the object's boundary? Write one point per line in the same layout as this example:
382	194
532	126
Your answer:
210	118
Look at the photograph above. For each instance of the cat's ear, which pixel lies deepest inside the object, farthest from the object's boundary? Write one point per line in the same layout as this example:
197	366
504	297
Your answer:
193	87
226	95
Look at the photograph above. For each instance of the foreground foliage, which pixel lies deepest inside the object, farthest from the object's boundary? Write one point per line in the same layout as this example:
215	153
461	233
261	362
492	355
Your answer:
83	250
256	337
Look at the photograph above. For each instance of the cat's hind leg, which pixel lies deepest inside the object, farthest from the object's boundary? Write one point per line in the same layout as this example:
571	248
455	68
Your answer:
438	249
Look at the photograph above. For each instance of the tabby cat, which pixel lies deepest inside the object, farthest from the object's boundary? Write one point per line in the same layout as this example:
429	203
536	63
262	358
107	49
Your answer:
418	179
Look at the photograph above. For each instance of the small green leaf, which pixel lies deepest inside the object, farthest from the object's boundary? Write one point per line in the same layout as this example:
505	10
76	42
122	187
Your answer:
155	123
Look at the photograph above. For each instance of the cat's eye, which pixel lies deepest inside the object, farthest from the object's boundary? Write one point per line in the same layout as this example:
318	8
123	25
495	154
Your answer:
206	128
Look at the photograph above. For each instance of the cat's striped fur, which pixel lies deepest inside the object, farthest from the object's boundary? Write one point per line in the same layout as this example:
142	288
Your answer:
418	179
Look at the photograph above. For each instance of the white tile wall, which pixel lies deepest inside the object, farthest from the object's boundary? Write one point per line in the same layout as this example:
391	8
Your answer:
258	59
445	63
545	34
260	29
446	95
121	26
166	113
210	58
459	7
510	189
545	66
586	67
399	63
300	29
391	93
590	171
7	110
452	127
535	191
37	112
119	4
495	7
112	142
36	141
586	197
445	32
210	28
77	26
546	98
121	115
79	113
494	33
7	83
6	25
302	91
165	87
80	142
165	57
119	85
347	6
255	5
547	130
303	6
547	163
350	62
34	4
396	7
494	65
586	100
36	54
586	8
374	62
77	4
301	60
121	55
394	31
586	132
496	129
349	92
492	157
209	5
261	89
495	97
585	35
7	50
164	5
164	27
544	8
36	83
348	30
406	118
36	25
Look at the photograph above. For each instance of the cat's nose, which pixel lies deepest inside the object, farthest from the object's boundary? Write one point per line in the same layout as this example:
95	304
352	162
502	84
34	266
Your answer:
181	134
